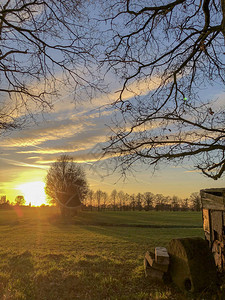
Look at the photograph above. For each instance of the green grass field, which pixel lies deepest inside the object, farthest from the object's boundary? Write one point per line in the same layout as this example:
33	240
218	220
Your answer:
96	256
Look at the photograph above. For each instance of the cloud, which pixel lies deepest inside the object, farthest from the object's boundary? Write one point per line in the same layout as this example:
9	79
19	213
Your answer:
84	140
52	130
19	163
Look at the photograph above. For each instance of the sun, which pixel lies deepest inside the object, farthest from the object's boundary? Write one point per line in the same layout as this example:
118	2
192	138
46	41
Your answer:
33	192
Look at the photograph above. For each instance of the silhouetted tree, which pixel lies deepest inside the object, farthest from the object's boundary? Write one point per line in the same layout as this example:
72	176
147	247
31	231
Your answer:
104	199
20	201
126	201
113	197
66	185
185	205
3	199
139	199
196	201
132	201
99	197
175	203
120	196
90	197
148	198
4	203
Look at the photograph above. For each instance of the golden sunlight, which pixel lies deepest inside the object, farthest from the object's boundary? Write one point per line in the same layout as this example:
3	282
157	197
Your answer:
33	192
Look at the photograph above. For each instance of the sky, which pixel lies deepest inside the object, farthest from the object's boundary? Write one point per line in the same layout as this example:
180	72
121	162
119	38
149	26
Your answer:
79	130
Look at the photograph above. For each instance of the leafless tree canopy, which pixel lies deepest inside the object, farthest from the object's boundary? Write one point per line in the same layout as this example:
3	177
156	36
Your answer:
66	184
173	50
43	45
164	52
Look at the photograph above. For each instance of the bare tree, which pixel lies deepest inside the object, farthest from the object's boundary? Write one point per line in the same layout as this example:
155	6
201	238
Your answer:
90	197
160	201
166	52
105	198
113	197
175	203
66	185
126	201
121	196
132	201
196	201
148	198
185	204
99	196
44	46
139	200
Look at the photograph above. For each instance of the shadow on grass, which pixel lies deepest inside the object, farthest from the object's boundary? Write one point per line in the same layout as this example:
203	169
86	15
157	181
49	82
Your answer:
58	220
91	277
150	237
19	270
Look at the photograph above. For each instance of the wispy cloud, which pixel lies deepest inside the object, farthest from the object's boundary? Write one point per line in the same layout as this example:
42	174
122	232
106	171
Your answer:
22	164
53	130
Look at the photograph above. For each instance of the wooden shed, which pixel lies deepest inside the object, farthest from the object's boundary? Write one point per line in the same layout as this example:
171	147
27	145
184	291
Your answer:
213	214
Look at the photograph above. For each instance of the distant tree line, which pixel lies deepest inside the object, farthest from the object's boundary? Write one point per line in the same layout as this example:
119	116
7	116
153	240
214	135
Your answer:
121	201
6	204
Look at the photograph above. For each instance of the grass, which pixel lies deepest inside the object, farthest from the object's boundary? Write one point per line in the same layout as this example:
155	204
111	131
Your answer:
90	258
142	218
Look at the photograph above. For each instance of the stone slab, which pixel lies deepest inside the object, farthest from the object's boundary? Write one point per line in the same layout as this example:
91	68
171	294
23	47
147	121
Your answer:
161	255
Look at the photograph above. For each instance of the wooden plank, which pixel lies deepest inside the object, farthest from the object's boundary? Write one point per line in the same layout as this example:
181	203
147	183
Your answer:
214	191
212	202
217	224
150	257
161	255
217	254
205	216
212	196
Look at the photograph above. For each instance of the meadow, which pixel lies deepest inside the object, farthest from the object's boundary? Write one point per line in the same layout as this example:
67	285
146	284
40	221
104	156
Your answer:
96	255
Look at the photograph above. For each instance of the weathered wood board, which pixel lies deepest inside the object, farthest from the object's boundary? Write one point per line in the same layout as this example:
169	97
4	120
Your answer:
217	224
213	213
212	202
213	199
206	222
217	254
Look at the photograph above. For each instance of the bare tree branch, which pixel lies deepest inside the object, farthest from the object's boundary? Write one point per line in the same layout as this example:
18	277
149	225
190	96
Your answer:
180	46
44	45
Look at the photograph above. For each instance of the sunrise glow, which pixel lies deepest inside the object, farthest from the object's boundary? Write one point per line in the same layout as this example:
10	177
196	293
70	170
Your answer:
33	192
